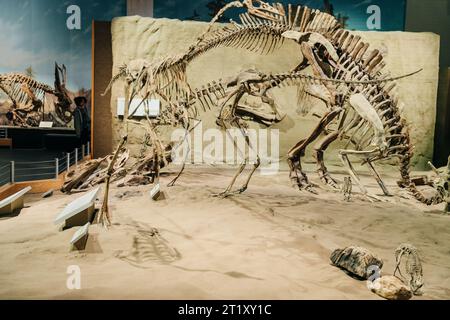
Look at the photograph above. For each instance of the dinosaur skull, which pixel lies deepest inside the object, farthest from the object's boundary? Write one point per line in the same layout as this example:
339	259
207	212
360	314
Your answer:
262	9
416	284
312	38
65	103
134	69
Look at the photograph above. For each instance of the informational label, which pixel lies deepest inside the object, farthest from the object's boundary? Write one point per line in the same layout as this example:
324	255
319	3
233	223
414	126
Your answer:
139	108
45	124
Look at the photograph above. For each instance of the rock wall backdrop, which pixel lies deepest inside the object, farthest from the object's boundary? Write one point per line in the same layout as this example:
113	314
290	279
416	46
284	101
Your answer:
136	37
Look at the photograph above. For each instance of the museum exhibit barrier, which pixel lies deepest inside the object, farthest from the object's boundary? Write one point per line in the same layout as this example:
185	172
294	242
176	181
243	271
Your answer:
5	174
5	141
80	237
79	212
16	171
13	202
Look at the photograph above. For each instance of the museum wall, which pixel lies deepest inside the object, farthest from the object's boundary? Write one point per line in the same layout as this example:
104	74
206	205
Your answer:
434	16
135	37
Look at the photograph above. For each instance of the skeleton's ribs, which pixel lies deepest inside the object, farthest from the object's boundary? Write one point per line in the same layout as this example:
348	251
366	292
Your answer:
317	69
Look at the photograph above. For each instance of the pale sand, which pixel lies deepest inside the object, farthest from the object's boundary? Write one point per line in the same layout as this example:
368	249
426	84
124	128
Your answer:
272	242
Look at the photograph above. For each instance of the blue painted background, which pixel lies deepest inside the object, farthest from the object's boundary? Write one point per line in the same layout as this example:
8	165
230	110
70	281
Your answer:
34	33
392	11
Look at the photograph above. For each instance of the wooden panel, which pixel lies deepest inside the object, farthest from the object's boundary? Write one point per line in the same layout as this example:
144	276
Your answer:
40	186
101	139
6	142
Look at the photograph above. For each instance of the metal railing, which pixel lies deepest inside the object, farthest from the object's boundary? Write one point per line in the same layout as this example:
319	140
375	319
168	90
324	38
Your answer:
5	174
41	170
3	133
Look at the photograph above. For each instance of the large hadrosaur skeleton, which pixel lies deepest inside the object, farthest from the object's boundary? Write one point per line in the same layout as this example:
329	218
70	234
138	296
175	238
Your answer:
362	107
28	95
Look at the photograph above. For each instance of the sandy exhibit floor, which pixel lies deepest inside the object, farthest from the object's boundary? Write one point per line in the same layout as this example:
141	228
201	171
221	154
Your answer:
272	242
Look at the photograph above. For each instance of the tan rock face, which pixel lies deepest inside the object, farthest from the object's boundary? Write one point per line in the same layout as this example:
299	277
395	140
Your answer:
391	288
147	38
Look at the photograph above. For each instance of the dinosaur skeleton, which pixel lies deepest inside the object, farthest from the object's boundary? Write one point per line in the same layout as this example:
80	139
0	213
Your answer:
146	168
257	84
362	108
260	30
27	96
246	83
413	267
373	126
335	53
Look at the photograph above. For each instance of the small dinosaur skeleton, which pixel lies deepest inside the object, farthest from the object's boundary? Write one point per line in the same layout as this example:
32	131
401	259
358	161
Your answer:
413	267
347	189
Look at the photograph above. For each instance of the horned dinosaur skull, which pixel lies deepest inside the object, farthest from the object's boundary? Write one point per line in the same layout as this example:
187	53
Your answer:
65	103
262	9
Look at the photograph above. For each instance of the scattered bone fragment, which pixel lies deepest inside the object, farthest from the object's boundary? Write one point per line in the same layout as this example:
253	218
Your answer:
48	194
